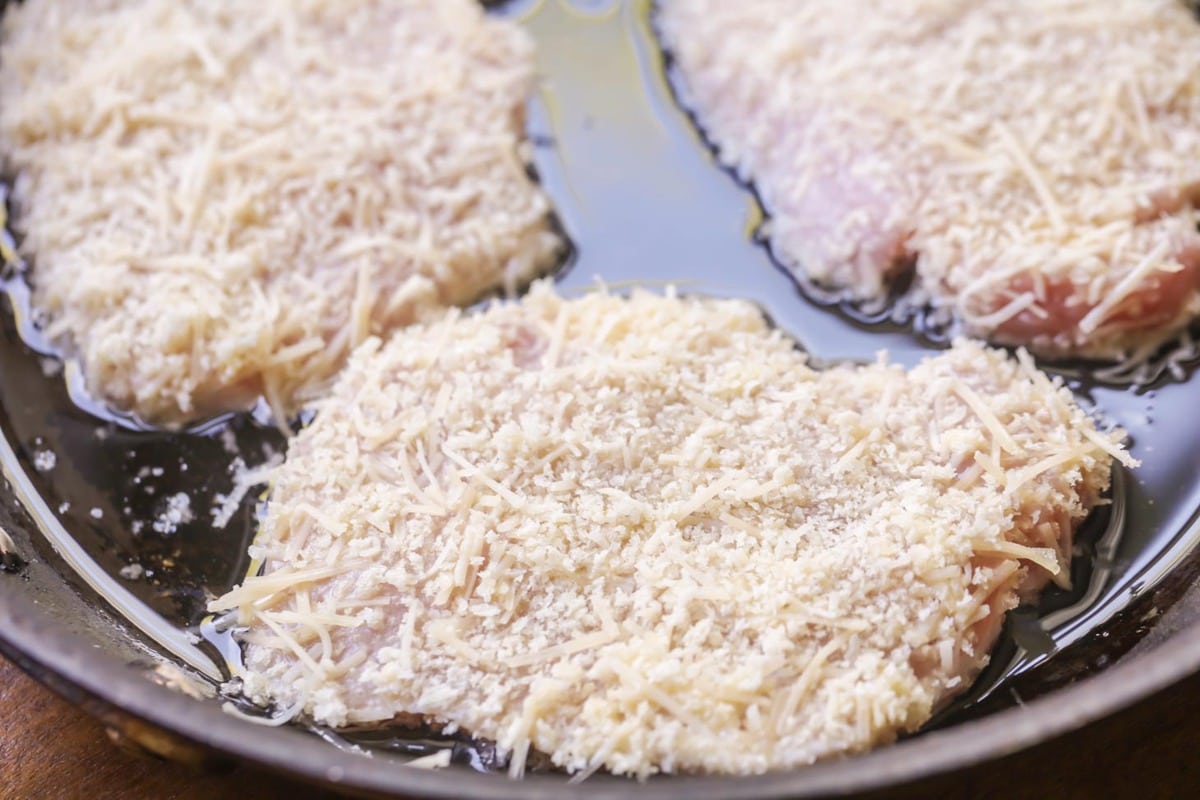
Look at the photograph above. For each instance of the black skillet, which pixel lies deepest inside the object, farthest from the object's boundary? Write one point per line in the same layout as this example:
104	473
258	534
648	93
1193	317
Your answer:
104	589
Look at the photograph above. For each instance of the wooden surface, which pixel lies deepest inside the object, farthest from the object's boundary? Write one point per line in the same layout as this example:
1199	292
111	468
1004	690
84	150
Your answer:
49	749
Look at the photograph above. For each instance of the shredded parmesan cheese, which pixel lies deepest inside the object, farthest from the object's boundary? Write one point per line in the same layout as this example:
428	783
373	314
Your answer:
1034	161
619	575
220	201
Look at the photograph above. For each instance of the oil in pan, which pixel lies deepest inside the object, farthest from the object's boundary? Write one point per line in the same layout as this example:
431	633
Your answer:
643	202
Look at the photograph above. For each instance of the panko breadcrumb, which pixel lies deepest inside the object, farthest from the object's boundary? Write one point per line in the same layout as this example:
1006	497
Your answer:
221	199
640	533
1034	160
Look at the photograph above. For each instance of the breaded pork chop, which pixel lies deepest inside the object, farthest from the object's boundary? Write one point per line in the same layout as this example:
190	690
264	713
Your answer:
642	534
1035	161
221	199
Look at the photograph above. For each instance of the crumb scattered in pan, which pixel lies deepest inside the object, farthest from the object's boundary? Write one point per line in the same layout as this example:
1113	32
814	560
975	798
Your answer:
44	460
244	479
132	572
177	511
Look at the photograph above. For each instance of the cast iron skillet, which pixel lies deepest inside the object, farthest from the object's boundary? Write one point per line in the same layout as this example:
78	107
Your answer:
637	193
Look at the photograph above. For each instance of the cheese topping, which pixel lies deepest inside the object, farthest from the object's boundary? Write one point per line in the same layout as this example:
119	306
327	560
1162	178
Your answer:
1037	159
221	200
642	534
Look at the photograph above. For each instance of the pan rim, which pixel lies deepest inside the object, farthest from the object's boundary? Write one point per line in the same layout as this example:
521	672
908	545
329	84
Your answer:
72	666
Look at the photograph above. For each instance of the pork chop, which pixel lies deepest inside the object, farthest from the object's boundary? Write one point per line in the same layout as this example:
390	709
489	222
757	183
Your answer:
642	534
221	200
1035	161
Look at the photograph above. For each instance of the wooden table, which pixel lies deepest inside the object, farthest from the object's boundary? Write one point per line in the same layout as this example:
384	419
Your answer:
49	749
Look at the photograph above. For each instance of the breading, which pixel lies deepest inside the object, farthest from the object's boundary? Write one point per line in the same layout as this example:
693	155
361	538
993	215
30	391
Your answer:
642	534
